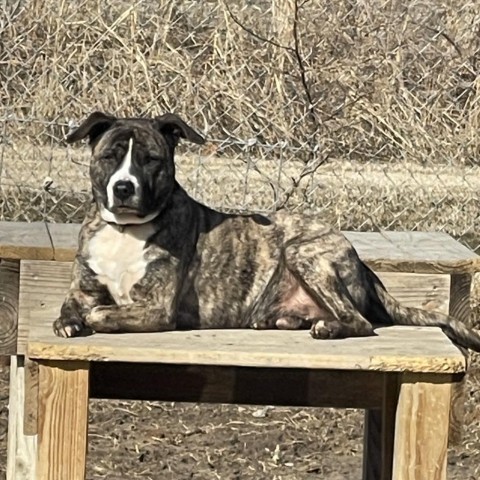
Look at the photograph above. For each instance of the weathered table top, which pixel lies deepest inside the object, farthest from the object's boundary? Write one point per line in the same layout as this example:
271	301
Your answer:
416	252
393	349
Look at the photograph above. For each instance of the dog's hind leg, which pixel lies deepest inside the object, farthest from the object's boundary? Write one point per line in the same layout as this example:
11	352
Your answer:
338	315
292	322
130	318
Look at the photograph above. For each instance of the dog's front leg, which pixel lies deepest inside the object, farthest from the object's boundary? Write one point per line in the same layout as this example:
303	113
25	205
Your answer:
142	316
84	294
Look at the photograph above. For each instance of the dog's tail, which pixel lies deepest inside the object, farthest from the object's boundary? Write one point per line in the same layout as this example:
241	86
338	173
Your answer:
401	315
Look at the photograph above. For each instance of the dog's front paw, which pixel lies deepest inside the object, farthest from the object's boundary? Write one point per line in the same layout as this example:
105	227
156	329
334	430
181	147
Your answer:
70	327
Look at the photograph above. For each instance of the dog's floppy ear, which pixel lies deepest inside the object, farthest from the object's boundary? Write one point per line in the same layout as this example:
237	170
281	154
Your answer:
95	125
173	125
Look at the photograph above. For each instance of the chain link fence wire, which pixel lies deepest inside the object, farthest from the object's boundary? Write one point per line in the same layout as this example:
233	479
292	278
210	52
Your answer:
363	112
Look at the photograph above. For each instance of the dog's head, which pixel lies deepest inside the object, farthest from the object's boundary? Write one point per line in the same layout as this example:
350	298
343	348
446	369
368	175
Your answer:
132	168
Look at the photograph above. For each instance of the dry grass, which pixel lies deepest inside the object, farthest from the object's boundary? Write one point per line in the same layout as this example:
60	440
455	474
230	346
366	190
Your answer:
371	80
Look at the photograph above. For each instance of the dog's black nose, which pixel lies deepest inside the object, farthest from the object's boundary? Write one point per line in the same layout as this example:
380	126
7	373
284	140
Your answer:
123	189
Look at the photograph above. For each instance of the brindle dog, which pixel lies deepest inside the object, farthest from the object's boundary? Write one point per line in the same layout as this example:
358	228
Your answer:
151	258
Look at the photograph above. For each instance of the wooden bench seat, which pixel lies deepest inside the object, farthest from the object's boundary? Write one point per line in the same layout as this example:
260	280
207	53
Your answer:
404	376
395	349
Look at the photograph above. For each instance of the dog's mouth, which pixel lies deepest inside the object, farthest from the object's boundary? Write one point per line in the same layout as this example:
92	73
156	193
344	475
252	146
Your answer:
123	209
122	215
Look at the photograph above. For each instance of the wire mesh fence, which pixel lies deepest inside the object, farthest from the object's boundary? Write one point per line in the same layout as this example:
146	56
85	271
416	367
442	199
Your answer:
364	112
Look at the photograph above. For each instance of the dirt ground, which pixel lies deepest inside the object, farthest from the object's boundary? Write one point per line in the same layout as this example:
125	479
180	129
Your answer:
158	440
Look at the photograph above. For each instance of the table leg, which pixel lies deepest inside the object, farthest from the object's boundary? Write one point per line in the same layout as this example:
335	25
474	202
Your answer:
22	446
421	427
379	433
62	420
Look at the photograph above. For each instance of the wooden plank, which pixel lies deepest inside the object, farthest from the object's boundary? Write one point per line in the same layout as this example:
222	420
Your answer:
43	286
22	448
460	298
394	349
63	420
9	290
460	308
421	428
426	291
239	385
31	398
417	252
65	240
379	433
20	240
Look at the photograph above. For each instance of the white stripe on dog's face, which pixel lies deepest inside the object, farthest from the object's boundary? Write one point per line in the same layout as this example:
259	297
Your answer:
123	173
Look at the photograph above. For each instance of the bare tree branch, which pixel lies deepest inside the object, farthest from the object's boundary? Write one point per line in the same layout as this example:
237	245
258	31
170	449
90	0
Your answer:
254	34
309	168
302	70
312	165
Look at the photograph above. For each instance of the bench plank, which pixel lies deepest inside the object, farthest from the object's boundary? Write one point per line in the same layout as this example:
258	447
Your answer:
240	385
9	290
426	291
65	240
19	240
43	286
418	252
394	349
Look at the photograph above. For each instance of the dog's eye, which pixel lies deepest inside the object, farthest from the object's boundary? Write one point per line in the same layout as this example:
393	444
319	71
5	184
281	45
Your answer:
110	157
151	159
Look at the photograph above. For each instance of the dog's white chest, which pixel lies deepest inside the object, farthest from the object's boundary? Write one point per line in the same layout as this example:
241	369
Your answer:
118	258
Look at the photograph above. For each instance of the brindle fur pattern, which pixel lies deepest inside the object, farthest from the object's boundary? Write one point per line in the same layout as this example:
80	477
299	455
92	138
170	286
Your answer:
207	269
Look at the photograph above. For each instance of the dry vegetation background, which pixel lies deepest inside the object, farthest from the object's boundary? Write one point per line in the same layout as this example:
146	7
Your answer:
365	112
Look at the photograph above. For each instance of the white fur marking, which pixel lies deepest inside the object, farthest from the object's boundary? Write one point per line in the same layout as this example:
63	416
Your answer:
118	258
123	173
